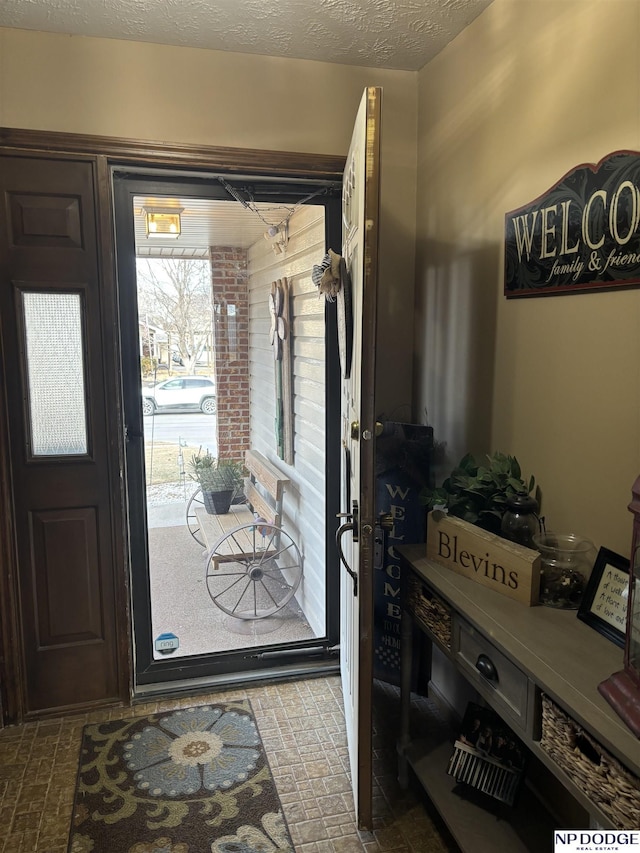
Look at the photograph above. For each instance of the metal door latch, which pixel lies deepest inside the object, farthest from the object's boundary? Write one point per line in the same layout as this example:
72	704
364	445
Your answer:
353	527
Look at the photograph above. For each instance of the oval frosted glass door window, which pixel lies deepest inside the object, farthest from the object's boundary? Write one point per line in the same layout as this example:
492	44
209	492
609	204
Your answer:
55	373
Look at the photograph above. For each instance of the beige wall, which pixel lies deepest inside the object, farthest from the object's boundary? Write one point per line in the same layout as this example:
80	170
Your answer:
157	92
530	90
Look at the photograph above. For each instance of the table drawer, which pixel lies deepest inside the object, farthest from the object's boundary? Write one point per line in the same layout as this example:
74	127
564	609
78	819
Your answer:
497	679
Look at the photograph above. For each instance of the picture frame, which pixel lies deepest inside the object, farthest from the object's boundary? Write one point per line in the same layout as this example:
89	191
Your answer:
487	756
605	599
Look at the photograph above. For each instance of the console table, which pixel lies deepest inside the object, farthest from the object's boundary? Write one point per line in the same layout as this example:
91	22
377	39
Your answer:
545	667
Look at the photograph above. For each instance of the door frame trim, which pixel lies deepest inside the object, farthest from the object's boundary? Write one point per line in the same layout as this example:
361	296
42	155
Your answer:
139	152
107	152
216	665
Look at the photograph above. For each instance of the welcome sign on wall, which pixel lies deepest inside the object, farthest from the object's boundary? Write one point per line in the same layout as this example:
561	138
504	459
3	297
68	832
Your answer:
584	234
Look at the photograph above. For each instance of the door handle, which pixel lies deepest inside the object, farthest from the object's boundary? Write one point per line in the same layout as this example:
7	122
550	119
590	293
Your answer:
339	534
352	526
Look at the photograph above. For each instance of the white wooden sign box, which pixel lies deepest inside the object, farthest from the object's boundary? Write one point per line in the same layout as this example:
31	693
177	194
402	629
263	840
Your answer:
506	567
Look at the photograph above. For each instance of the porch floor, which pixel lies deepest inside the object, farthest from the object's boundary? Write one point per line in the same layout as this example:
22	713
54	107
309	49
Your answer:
180	601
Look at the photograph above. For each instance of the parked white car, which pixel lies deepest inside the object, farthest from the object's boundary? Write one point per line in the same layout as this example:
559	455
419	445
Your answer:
196	393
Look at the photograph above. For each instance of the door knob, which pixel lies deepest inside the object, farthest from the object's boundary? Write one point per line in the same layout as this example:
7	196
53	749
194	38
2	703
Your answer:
355	431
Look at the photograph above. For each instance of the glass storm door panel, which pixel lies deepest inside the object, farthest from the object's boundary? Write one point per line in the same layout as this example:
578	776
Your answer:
185	626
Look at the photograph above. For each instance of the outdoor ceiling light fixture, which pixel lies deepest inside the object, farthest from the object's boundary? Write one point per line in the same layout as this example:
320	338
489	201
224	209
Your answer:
278	235
162	222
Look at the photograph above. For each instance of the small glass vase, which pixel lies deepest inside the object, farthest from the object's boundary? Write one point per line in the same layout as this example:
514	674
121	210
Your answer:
566	563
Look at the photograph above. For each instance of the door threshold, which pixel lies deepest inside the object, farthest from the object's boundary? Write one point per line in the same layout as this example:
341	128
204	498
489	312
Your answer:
293	672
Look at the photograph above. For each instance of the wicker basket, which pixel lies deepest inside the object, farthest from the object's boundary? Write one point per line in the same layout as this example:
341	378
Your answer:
603	779
431	611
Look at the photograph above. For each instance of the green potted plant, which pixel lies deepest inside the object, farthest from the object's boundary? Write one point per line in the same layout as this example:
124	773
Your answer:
480	493
219	480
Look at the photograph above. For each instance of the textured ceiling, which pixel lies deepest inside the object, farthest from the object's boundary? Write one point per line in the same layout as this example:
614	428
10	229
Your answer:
398	34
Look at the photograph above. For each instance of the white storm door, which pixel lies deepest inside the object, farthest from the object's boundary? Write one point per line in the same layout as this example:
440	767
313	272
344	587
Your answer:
360	205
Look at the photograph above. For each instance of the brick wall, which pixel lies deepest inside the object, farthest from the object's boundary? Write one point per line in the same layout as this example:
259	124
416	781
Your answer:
231	347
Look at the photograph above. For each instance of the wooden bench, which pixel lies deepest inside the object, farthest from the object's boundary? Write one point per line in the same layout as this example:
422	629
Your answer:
253	570
264	490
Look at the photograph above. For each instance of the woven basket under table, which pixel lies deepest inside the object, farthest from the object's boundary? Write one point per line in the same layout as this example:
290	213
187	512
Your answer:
431	610
608	784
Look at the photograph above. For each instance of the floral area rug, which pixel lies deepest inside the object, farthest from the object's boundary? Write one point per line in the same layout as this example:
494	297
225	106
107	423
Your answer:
195	780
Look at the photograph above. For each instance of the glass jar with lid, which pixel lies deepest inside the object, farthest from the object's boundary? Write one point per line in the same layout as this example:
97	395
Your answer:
520	522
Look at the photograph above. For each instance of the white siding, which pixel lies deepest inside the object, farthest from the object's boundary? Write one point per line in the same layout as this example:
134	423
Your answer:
304	504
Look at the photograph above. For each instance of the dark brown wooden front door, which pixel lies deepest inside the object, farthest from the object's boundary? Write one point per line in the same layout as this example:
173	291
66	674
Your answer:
54	369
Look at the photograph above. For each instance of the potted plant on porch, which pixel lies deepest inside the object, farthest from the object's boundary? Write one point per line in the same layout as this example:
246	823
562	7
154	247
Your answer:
219	480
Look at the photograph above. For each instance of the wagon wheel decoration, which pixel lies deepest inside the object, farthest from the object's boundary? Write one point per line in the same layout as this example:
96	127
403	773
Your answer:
253	571
195	501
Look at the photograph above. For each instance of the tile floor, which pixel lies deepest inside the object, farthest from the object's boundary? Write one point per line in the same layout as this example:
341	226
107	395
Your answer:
302	727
